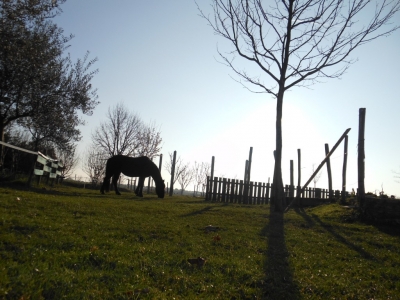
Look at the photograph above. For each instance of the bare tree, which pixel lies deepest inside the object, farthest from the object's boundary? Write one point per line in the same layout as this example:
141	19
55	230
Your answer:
150	141
316	177
69	160
124	133
94	165
201	171
397	176
296	43
185	176
179	165
120	133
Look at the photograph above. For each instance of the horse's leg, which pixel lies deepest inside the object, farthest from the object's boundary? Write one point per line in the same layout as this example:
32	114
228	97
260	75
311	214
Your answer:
139	189
141	186
106	184
115	181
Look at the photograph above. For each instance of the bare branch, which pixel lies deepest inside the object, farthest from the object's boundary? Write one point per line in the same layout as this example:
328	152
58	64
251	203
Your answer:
297	42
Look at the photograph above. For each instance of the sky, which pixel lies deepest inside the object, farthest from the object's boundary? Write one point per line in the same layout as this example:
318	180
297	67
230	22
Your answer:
159	58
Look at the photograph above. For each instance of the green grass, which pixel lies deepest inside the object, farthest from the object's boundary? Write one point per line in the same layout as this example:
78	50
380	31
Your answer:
71	243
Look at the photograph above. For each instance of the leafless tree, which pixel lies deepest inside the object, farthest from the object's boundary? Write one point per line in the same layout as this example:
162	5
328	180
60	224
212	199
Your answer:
397	176
150	141
316	177
93	165
179	166
69	159
201	171
296	43
120	133
185	176
124	133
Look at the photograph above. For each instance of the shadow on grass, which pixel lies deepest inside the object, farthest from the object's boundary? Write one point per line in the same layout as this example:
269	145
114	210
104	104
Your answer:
314	220
194	201
88	192
279	282
393	230
202	211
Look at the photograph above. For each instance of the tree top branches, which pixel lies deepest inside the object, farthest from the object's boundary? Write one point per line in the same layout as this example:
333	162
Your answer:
296	43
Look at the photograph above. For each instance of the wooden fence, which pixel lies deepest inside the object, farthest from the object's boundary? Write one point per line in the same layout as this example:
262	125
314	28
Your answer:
237	191
48	168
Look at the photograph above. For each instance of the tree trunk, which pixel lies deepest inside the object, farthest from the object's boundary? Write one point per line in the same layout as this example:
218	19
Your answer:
279	195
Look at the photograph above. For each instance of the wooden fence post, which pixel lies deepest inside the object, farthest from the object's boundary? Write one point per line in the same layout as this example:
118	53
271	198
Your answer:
240	200
214	191
223	189
343	199
246	182
361	158
328	166
291	188
208	188
298	171
319	167
171	187
212	166
232	196
249	168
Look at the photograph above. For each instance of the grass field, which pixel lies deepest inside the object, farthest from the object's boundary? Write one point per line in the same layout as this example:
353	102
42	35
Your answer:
69	243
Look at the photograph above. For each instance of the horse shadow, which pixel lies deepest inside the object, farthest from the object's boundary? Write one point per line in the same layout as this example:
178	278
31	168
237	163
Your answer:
279	283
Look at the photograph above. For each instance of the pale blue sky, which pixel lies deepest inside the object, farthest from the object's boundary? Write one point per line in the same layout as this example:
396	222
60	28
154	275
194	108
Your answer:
160	59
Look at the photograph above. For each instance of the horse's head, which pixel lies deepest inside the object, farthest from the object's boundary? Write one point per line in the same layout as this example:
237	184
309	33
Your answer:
160	189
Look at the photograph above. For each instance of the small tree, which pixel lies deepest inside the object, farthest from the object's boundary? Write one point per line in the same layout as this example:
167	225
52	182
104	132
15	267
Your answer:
150	141
201	171
185	176
94	165
69	160
179	166
124	133
316	177
295	43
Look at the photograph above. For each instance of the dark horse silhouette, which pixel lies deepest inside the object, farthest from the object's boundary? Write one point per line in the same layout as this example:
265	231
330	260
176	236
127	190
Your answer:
141	167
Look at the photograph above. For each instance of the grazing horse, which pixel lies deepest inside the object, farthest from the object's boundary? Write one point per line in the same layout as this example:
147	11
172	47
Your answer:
141	167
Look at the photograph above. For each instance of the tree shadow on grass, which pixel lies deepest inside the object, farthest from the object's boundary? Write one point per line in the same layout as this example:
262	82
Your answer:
198	212
279	282
202	211
314	220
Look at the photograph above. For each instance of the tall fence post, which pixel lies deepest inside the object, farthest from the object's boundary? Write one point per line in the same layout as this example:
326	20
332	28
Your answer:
328	166
319	168
250	160
246	182
343	199
212	167
171	186
291	187
361	158
160	163
298	171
